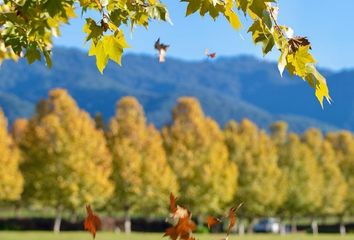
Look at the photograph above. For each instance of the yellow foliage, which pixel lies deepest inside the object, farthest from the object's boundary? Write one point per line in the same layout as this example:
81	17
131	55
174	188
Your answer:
141	173
66	162
199	157
11	180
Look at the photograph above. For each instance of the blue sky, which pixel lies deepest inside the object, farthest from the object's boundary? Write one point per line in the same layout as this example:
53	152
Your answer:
327	24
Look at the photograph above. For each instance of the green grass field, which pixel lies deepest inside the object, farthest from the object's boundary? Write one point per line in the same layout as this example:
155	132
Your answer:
4	235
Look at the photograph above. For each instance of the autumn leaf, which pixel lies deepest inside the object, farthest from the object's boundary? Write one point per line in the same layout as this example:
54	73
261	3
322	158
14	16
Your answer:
183	225
162	50
182	229
176	210
92	221
213	221
232	218
296	42
209	55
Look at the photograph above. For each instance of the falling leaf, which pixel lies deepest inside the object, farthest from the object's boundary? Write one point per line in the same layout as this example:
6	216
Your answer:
183	229
183	225
232	218
92	222
162	50
213	221
209	55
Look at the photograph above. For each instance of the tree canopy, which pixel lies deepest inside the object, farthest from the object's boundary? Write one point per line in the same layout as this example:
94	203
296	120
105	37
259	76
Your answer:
140	167
198	155
11	180
66	161
28	27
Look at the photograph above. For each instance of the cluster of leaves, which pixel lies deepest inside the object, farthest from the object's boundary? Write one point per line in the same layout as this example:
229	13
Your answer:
295	53
212	221
27	28
182	224
180	218
107	39
265	30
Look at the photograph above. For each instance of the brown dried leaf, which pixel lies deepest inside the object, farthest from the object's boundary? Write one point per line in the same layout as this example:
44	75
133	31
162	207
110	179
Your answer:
92	222
296	42
212	221
173	205
232	218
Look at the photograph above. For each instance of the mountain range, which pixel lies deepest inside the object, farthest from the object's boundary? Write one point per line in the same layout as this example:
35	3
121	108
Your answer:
228	88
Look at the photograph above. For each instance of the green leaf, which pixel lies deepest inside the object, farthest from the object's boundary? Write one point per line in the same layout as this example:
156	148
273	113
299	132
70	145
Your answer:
32	54
267	20
48	58
193	6
268	45
92	30
243	5
258	6
213	12
205	7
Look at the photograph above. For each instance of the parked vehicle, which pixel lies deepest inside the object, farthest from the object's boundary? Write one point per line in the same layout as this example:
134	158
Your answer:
267	225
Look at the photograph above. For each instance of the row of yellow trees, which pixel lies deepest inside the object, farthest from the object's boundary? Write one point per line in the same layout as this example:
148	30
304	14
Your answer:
61	158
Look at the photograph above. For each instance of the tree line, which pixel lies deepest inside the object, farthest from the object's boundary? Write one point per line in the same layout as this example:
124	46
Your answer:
62	159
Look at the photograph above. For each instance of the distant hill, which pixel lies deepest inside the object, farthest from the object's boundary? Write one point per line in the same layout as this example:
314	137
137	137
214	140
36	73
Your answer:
228	88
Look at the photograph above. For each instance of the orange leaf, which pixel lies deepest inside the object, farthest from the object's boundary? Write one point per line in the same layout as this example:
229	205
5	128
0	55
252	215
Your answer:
92	222
183	226
171	232
232	218
213	221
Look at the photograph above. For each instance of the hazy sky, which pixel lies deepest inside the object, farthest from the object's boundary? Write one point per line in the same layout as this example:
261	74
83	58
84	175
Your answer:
329	26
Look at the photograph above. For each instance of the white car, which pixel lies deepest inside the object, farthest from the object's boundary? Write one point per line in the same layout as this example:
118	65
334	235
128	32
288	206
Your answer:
267	225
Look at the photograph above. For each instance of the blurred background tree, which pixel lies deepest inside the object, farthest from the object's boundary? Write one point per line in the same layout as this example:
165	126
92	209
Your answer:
11	180
66	161
302	176
258	183
141	173
198	155
343	143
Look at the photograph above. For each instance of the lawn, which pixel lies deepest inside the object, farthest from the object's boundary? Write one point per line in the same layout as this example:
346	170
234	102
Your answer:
4	235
